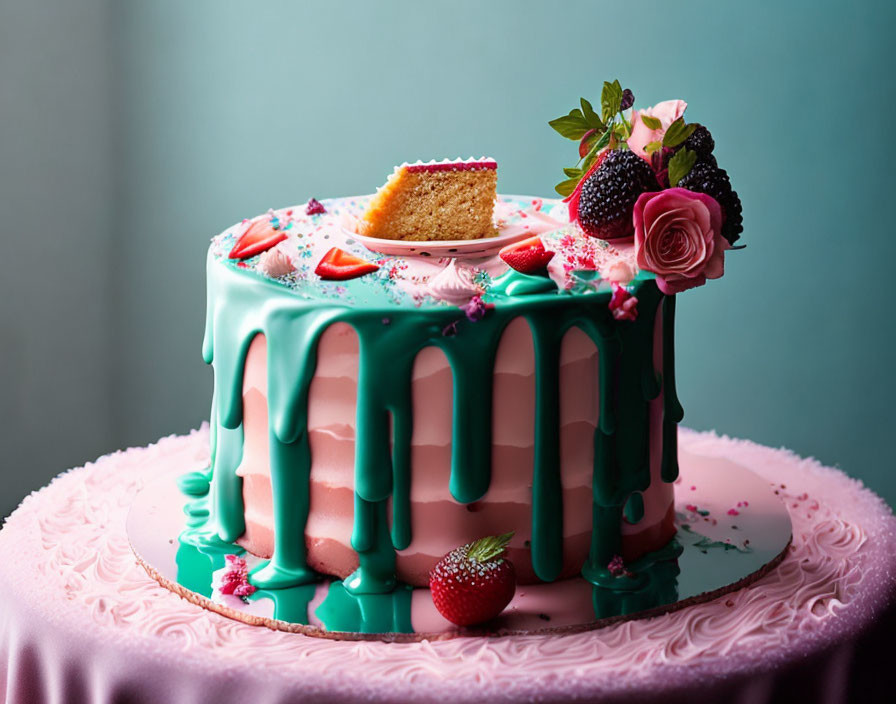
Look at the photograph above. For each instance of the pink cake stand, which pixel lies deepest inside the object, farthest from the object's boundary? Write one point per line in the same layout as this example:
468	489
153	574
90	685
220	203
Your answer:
83	622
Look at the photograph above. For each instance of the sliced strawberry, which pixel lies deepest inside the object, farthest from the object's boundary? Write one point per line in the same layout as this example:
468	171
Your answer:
339	265
259	237
474	583
527	256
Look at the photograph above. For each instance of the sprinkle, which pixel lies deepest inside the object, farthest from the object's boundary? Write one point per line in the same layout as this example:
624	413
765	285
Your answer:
314	207
691	507
733	512
616	567
450	330
476	309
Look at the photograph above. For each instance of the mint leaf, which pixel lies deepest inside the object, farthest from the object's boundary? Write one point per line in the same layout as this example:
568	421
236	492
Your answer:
652	147
573	173
591	117
565	188
680	165
677	133
651	122
572	126
610	99
489	548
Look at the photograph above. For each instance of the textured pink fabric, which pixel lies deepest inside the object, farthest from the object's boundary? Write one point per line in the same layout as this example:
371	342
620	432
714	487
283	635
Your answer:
82	622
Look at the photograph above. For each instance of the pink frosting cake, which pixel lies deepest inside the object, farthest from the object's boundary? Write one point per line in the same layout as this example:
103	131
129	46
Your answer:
82	622
439	524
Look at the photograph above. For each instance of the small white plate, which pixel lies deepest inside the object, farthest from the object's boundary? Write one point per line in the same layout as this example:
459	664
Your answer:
457	249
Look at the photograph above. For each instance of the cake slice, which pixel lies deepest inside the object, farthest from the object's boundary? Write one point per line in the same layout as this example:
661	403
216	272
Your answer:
445	200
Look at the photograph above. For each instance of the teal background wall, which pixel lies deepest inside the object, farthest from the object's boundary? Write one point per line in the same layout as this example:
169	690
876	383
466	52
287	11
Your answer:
131	132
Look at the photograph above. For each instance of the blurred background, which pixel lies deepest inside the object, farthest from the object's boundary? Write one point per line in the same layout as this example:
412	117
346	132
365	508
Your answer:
131	132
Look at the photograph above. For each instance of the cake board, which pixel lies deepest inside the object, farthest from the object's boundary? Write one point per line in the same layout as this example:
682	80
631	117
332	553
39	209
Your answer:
732	529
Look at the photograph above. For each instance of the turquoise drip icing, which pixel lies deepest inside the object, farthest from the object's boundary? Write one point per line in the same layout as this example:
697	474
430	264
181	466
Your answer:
673	413
243	304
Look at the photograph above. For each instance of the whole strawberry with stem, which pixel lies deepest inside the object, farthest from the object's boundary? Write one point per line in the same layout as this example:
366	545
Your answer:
474	583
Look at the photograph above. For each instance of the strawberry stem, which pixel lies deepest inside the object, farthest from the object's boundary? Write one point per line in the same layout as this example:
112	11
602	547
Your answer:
488	548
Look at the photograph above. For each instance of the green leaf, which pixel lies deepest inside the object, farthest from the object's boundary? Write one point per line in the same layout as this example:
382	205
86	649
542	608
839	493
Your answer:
489	548
565	188
678	132
651	122
591	117
572	126
680	165
601	143
652	147
610	99
573	173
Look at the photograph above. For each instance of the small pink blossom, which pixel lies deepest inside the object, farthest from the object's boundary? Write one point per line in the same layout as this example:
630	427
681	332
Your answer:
616	567
678	238
235	579
476	308
315	207
666	112
623	305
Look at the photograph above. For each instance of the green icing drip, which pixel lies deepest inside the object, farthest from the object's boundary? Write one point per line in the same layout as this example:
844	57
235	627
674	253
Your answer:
652	581
291	604
673	413
634	507
290	474
243	304
366	613
547	492
515	283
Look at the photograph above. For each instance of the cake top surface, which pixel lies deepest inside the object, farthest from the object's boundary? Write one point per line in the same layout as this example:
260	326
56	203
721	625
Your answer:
581	264
646	200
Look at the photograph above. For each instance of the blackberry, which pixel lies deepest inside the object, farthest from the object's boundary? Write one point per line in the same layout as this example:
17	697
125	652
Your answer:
713	181
700	141
608	196
660	162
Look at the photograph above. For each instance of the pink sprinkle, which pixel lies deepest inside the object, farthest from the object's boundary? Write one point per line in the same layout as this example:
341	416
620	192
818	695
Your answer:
616	567
691	507
733	512
314	207
746	503
693	488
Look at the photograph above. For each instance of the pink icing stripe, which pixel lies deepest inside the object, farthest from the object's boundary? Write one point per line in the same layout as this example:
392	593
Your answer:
77	606
451	166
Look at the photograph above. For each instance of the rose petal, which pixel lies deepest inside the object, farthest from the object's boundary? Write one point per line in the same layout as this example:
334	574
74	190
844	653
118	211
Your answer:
667	112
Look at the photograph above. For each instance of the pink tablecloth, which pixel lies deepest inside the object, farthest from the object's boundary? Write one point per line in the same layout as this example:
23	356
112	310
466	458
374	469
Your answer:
82	622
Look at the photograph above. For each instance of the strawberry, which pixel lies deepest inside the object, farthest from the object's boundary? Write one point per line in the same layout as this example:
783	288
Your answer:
474	583
586	142
339	265
573	198
258	237
527	256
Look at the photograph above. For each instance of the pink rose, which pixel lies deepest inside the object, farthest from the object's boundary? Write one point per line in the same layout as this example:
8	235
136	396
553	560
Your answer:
666	112
678	238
